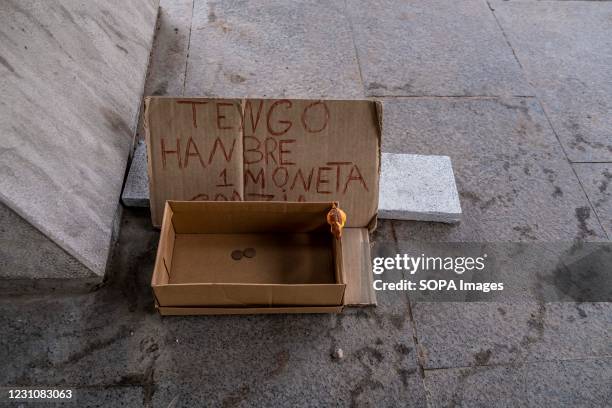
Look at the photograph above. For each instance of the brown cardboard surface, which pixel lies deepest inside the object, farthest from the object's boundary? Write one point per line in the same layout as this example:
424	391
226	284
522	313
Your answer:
280	258
264	150
249	295
242	217
184	311
357	267
194	266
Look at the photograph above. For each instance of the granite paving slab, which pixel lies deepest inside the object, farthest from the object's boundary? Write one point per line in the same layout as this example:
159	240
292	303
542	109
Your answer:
94	397
564	49
136	189
475	334
581	383
291	360
514	181
72	75
272	49
436	48
166	74
596	179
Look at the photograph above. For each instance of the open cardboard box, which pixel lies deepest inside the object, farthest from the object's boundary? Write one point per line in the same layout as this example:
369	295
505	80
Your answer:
294	264
261	173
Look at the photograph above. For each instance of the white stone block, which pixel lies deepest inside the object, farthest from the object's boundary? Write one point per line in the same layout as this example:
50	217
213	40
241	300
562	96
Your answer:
417	187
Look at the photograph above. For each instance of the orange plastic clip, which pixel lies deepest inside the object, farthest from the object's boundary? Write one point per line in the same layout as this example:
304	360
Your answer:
336	218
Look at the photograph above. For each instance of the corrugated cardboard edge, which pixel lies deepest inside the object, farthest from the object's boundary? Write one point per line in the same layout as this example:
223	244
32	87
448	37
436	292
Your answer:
357	265
184	311
145	125
159	258
379	120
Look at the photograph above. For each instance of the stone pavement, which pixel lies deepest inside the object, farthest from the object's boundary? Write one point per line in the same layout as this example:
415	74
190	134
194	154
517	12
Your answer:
517	93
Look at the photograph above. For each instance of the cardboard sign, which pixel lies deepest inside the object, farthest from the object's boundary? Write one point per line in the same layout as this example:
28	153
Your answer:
264	150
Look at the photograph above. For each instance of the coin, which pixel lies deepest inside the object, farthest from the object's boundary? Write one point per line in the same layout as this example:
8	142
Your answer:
237	255
249	252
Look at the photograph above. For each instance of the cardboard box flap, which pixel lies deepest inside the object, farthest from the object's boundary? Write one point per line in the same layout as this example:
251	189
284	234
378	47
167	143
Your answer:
240	217
185	310
357	268
237	294
264	150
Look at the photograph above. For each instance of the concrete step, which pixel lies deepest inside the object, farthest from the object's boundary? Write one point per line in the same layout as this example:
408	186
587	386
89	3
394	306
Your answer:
72	75
412	187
